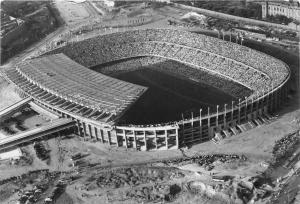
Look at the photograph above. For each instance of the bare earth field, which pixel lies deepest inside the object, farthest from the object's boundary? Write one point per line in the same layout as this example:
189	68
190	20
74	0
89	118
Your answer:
256	142
72	12
7	94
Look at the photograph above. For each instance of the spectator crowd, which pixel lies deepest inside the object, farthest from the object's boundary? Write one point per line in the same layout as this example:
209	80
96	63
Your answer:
237	70
213	57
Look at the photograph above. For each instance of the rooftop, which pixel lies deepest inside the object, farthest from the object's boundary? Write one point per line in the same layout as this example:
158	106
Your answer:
64	78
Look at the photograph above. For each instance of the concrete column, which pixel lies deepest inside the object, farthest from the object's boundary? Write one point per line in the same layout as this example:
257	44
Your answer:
272	100
166	138
268	101
257	106
208	119
108	137
125	138
101	135
252	105
177	140
90	130
192	124
286	89
276	100
217	118
264	102
200	124
232	109
183	136
246	118
284	94
84	130
225	110
282	99
135	141
239	114
156	144
78	128
96	133
145	141
279	97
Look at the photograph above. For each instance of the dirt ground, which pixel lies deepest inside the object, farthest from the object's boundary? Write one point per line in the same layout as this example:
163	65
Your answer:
7	94
72	12
257	142
105	174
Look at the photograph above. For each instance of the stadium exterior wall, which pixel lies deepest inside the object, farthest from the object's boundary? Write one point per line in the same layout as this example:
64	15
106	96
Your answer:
181	133
177	134
205	127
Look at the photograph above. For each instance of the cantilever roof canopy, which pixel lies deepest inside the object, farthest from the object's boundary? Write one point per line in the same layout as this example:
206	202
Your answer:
67	79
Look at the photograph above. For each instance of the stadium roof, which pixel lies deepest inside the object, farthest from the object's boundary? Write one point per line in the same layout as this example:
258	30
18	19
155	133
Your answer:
61	76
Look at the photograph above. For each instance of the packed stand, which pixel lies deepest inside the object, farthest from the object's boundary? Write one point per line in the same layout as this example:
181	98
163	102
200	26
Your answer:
250	68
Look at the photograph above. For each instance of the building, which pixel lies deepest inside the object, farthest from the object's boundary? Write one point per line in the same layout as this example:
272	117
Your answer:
61	83
290	9
11	28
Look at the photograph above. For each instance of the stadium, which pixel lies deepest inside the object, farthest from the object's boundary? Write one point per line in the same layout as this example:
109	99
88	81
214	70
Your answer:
63	81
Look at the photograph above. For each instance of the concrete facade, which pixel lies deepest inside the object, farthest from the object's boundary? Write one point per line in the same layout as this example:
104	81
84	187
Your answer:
185	132
290	10
227	120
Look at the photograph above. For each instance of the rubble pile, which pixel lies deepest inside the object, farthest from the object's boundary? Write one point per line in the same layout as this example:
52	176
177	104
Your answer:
41	151
16	179
20	126
234	190
8	130
82	163
205	160
25	159
6	124
35	182
78	156
155	193
79	161
58	189
27	111
136	176
12	120
285	145
31	196
244	191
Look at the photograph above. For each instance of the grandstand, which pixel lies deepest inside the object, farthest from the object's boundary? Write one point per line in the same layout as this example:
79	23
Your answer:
60	81
68	85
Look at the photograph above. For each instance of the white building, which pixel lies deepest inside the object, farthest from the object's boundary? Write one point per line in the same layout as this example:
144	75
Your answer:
290	9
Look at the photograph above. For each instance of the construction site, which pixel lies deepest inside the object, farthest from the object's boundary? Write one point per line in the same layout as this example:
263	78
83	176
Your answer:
65	136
